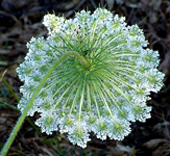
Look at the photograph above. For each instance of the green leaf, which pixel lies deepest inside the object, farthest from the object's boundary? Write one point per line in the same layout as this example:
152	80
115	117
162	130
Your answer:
4	92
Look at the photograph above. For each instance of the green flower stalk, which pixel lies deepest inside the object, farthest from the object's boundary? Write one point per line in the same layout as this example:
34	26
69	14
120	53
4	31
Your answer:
101	85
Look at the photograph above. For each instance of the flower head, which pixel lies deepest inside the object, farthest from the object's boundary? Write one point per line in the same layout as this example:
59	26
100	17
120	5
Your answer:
103	96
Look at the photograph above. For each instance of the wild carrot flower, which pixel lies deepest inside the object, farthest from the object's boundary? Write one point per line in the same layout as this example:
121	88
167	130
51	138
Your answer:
102	95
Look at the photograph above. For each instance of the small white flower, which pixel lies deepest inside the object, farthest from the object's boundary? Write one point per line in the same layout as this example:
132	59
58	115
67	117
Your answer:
48	122
79	136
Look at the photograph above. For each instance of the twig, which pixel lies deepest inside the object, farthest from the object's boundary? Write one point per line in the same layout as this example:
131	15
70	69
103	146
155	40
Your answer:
80	4
93	3
3	63
3	75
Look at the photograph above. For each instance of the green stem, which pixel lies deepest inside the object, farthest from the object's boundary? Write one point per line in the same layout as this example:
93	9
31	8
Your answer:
24	114
81	58
9	87
85	152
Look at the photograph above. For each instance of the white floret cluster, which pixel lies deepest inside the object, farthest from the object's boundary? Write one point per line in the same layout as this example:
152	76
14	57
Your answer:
103	98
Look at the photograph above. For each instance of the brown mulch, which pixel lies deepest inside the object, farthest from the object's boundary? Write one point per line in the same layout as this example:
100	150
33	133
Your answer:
20	20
